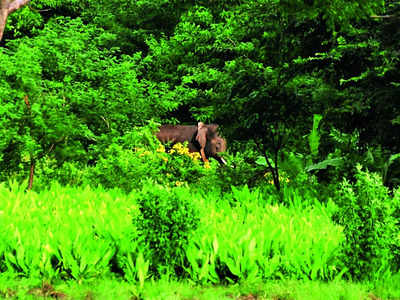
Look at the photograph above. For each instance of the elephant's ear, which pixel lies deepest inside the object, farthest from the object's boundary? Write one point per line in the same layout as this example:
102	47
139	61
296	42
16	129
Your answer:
212	127
212	130
201	136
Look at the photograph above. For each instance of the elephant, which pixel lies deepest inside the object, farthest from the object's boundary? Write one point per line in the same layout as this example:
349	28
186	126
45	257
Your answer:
201	138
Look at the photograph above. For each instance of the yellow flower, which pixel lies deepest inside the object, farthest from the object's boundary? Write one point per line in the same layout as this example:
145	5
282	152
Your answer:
194	155
181	149
144	153
177	146
282	178
161	148
207	165
179	183
165	159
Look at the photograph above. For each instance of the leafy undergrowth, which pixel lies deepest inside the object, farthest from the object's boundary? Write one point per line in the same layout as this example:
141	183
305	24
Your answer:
84	243
74	233
164	290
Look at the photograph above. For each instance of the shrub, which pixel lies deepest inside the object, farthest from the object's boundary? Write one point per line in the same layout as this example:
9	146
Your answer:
123	168
167	220
241	170
367	213
181	166
246	235
127	169
137	156
49	171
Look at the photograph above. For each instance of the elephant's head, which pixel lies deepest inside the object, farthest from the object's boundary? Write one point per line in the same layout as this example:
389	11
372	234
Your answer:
210	142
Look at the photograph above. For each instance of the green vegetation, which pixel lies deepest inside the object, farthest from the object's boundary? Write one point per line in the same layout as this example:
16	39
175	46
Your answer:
206	238
306	95
167	289
244	236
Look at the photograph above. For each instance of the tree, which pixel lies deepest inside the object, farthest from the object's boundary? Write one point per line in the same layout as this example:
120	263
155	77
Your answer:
6	8
78	96
260	68
263	68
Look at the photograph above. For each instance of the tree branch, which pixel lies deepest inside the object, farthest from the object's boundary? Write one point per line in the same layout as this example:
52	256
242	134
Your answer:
38	10
383	17
16	4
7	7
3	19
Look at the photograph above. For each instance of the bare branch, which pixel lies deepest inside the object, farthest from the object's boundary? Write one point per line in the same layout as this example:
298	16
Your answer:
6	8
38	10
16	4
3	19
105	121
27	103
383	17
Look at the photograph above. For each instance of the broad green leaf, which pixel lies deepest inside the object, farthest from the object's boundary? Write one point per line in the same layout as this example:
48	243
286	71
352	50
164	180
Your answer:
335	162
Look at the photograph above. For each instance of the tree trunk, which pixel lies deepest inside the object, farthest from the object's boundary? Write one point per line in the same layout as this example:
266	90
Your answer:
6	8
3	20
32	169
31	173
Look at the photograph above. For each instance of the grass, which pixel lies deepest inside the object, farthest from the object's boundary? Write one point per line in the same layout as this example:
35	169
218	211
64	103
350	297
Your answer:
104	289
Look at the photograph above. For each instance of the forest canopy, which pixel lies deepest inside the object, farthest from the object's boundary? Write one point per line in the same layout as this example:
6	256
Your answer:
76	75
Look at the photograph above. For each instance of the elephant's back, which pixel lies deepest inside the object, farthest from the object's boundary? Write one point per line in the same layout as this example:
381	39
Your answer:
176	133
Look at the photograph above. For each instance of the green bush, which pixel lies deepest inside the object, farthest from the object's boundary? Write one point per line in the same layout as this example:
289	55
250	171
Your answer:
127	169
49	171
122	168
167	221
181	167
247	235
240	170
368	215
396	242
209	237
130	160
62	232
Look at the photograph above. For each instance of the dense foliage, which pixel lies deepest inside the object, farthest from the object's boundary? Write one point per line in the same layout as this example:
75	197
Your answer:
369	217
158	231
93	70
305	92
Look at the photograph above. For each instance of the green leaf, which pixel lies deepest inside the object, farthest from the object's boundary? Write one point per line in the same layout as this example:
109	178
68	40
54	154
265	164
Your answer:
261	161
314	137
334	162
